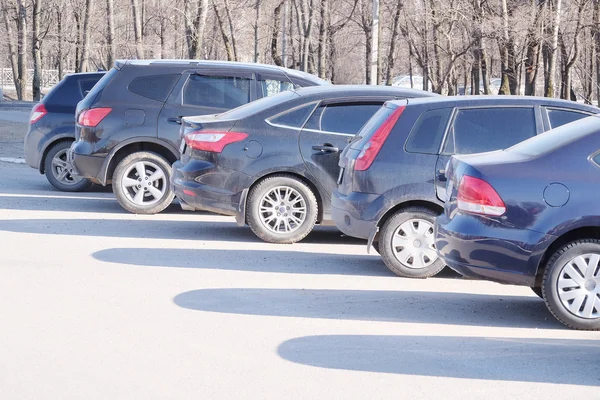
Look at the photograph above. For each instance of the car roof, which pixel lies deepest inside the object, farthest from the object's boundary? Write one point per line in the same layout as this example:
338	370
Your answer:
84	74
363	90
254	67
485	100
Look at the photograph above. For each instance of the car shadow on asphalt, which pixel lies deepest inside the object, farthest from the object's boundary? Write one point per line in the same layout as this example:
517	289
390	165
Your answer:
375	305
556	361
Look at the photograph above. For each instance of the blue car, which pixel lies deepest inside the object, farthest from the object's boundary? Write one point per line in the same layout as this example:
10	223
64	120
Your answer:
530	216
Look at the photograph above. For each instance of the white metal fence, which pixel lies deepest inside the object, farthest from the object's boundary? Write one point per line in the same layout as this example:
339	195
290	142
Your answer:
49	77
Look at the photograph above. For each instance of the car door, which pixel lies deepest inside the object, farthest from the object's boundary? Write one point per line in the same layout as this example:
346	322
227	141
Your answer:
482	129
328	131
204	92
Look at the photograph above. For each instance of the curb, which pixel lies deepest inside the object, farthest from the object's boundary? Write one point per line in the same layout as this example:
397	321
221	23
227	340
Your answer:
13	160
16	104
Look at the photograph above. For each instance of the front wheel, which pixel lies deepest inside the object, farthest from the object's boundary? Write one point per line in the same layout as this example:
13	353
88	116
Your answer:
141	183
281	209
571	284
59	171
407	246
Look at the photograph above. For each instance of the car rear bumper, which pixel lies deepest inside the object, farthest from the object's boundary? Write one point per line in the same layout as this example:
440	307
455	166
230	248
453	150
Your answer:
352	213
486	249
89	167
33	146
202	196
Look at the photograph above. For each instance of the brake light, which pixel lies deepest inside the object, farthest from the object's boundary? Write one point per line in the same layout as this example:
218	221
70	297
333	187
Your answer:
214	141
93	116
38	111
372	147
477	196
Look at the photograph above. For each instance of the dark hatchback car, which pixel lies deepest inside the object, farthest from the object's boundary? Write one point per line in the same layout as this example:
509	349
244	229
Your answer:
52	130
530	216
392	179
128	125
274	163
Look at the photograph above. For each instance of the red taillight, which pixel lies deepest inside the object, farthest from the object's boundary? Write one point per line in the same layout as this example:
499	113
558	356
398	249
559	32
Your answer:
214	141
477	196
38	111
93	116
372	147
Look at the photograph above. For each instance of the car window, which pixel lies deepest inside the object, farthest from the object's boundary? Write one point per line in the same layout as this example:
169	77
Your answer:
427	133
559	117
216	91
556	138
271	87
155	87
260	105
342	118
85	85
293	118
478	130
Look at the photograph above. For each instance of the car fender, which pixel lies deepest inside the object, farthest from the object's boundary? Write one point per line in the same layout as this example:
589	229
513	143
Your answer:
139	139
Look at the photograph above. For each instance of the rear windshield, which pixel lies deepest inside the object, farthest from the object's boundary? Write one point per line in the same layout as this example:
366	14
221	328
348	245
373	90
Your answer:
256	106
101	84
371	126
70	91
556	138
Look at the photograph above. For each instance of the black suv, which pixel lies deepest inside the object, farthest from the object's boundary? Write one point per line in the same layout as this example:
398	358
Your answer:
52	130
392	181
128	126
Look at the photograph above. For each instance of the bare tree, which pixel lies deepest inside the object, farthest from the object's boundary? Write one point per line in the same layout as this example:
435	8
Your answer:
110	35
36	50
85	51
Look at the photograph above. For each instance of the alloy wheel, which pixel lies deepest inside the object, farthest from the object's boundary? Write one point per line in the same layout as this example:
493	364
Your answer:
62	170
413	244
578	286
282	209
144	183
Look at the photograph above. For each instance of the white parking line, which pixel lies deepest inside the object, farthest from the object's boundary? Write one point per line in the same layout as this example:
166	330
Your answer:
13	160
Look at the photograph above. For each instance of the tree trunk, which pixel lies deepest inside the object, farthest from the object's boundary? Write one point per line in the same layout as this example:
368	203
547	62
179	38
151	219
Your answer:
137	29
110	24
78	30
12	53
36	51
307	11
393	40
60	39
256	22
323	39
550	72
85	51
231	30
277	59
21	49
596	30
226	42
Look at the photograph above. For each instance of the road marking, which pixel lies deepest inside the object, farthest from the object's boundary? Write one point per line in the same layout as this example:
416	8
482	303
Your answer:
13	160
43	196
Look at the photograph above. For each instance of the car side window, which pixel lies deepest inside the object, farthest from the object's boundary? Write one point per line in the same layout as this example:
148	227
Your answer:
478	130
293	118
225	92
271	87
428	132
342	118
155	87
558	117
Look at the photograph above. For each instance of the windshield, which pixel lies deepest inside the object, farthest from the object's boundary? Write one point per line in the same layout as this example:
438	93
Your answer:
259	105
556	138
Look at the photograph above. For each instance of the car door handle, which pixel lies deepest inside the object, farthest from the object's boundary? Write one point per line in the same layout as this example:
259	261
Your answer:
327	148
442	175
176	120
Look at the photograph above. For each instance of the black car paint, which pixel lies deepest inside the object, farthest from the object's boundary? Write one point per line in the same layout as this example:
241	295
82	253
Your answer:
398	178
221	181
140	123
59	122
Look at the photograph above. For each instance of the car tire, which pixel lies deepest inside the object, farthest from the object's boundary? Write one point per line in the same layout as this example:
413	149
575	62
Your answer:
571	294
413	227
152	173
375	246
538	291
286	192
58	171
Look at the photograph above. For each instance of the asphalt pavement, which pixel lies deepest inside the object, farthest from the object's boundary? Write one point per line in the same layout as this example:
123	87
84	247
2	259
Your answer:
97	303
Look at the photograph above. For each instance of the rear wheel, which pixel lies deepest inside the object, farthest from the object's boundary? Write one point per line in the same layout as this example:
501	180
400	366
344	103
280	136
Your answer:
59	171
406	244
538	291
281	209
141	183
571	284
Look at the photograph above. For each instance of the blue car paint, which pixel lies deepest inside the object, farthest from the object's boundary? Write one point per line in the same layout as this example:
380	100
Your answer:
512	247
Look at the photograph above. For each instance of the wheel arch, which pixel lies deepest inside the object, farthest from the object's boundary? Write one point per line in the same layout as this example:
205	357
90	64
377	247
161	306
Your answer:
56	140
584	232
157	146
404	205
